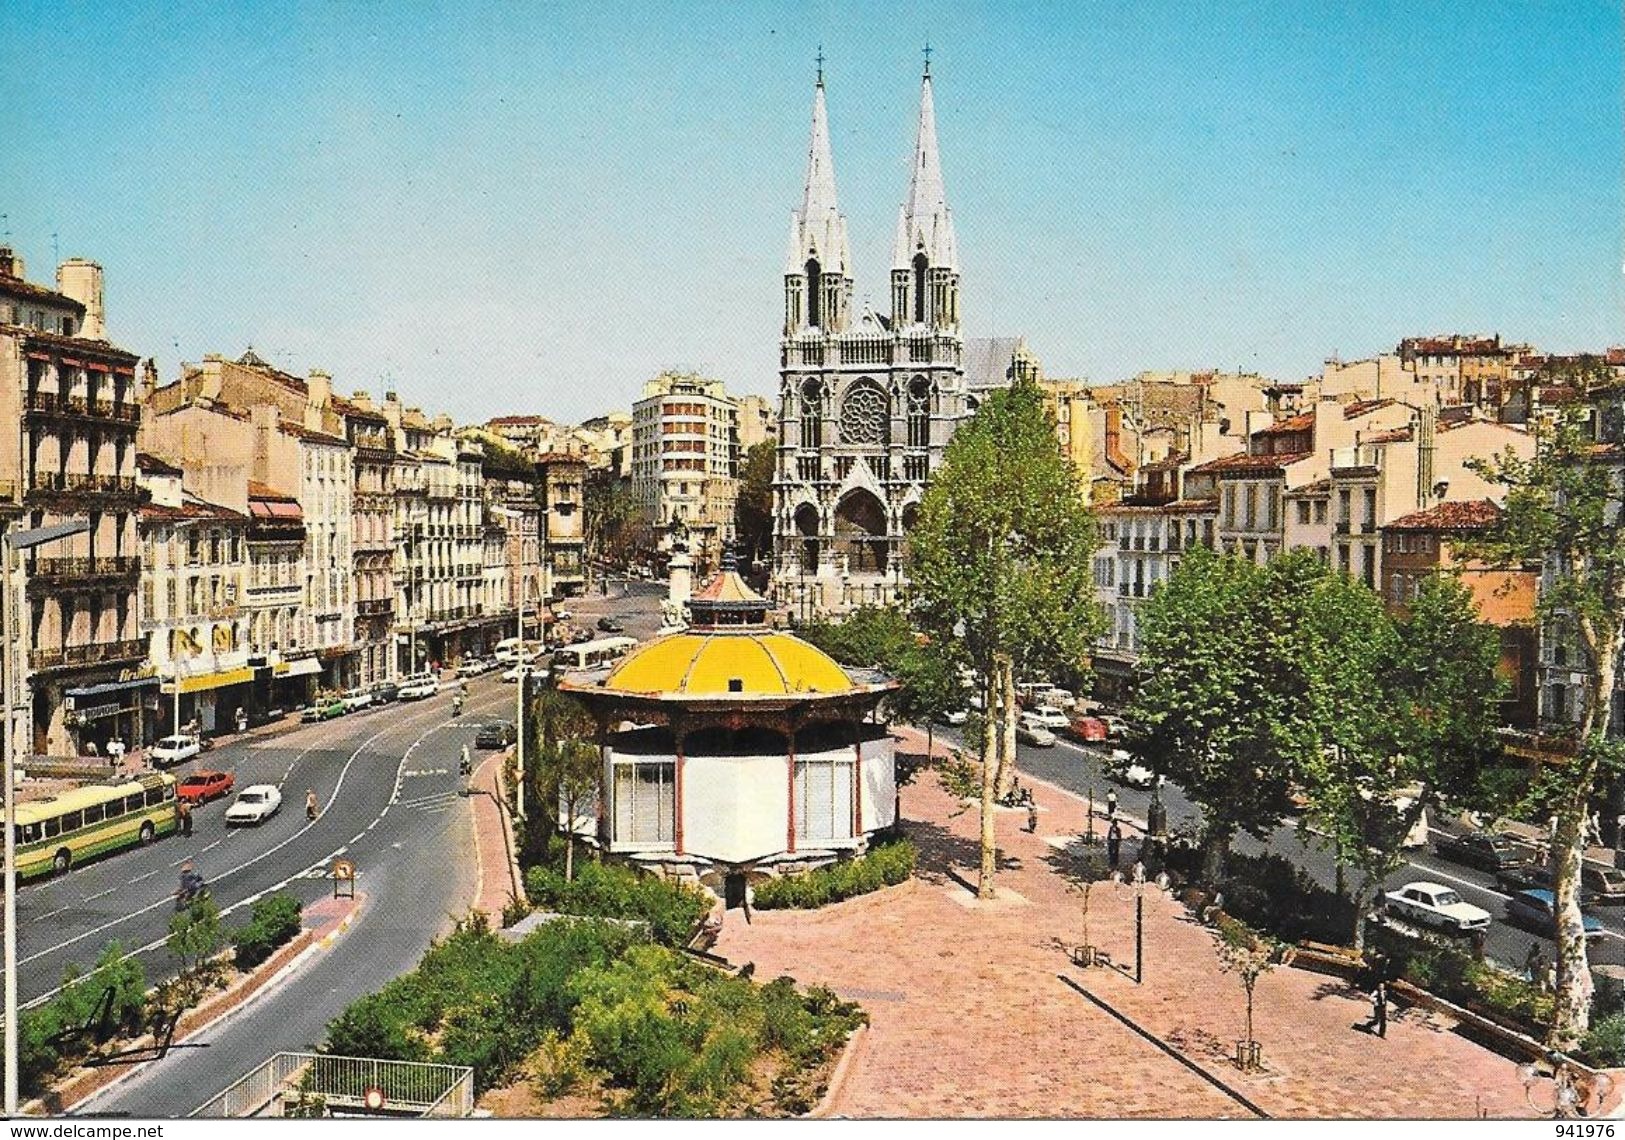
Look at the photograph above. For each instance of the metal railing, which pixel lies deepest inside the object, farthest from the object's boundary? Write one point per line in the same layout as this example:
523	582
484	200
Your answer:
408	1088
84	567
92	654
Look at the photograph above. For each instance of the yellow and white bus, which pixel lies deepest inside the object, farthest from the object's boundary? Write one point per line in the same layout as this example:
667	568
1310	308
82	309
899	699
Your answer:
77	826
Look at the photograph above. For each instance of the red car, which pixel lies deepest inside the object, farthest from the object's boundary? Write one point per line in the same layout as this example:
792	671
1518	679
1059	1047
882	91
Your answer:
201	787
1087	728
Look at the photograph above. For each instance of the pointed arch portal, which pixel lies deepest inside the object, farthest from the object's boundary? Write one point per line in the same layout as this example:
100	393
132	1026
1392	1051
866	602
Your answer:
861	532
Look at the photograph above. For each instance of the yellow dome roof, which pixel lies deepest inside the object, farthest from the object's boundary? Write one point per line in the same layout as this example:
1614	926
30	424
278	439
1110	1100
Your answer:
704	664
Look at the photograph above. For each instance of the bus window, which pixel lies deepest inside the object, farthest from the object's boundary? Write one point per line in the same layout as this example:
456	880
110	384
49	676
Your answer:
53	827
133	803
169	791
115	808
155	796
30	832
93	814
72	820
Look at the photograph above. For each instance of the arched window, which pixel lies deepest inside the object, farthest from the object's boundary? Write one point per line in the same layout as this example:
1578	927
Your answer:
812	399
814	289
920	265
919	412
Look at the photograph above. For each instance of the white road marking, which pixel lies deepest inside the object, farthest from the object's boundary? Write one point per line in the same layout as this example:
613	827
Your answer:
148	875
100	894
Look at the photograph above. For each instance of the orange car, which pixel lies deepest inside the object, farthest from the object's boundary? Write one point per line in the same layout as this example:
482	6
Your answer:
201	787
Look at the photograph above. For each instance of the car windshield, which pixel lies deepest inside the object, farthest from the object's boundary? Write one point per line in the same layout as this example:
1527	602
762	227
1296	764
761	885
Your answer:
172	742
251	798
1446	898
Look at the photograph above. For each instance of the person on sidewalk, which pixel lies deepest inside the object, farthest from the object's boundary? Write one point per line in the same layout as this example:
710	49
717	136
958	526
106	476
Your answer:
1114	845
1111	803
1032	816
1379	1006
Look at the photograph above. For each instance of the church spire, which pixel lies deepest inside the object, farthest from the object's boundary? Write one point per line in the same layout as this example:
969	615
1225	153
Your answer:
925	253
817	264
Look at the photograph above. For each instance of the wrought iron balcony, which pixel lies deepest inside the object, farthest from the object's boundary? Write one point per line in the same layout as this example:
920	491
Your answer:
59	572
92	653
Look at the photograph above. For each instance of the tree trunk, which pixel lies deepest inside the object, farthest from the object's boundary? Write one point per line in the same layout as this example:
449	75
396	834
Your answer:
1007	727
990	747
1215	854
1361	893
1571	1013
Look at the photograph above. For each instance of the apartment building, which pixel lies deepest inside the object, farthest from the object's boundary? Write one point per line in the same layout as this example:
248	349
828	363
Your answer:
274	598
69	404
372	542
685	460
562	522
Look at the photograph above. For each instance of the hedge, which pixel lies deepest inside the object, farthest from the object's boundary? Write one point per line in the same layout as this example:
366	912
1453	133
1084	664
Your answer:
606	890
274	921
885	865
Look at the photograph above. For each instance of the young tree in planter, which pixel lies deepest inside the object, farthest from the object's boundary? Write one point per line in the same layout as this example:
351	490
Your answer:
1219	701
1088	869
1249	955
194	936
563	776
1001	560
1562	511
579	767
930	689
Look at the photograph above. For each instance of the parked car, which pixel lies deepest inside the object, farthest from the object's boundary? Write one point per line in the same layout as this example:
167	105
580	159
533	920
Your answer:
1116	726
1436	905
499	734
254	804
1030	731
523	669
474	666
1088	729
357	699
385	692
563	615
1126	770
1607	884
1533	876
956	717
1536	910
324	708
610	625
1483	849
419	686
171	750
201	787
1051	717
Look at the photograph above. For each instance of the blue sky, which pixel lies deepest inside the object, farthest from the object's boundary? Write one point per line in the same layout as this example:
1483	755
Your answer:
530	208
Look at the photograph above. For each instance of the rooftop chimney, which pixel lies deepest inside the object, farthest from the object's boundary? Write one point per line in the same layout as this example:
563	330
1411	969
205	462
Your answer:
82	280
10	264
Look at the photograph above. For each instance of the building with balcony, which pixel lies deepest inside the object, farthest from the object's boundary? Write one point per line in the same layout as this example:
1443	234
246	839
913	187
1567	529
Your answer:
372	543
564	521
69	399
274	598
685	459
194	570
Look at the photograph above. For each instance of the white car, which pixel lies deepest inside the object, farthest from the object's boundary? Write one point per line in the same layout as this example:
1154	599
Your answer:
175	750
1433	904
357	699
1050	716
254	804
1126	770
1030	731
956	717
418	687
524	669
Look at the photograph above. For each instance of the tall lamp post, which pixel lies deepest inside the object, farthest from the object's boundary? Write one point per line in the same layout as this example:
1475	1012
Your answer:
12	636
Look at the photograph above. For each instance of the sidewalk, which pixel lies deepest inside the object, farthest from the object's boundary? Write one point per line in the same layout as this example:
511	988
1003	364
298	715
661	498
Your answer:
971	1018
494	849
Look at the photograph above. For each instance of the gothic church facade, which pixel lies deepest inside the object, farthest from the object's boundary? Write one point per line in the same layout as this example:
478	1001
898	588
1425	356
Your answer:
867	401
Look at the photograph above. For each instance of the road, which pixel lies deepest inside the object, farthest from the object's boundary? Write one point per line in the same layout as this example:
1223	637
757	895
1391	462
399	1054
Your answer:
387	781
1079	769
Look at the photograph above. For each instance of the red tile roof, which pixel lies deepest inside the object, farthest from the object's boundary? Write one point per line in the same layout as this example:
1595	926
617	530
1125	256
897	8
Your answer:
1364	408
97	348
27	290
300	432
192	508
152	465
1231	464
1302	422
517	421
1451	516
1394	435
258	490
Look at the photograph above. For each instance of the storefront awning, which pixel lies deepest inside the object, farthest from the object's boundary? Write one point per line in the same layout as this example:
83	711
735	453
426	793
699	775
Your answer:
85	691
203	682
304	667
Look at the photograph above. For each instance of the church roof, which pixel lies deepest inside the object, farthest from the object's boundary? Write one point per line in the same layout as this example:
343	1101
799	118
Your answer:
924	220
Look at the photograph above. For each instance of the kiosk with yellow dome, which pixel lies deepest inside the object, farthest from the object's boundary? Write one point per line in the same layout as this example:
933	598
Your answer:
732	750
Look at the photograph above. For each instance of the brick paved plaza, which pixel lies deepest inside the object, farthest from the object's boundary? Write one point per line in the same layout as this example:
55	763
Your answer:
970	1018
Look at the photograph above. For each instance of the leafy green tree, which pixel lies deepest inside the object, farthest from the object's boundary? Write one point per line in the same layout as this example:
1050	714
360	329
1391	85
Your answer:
753	513
1218	679
565	770
615	525
930	689
1001	562
869	637
1562	511
194	937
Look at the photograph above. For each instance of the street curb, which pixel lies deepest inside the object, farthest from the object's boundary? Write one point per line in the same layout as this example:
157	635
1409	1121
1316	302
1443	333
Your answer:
838	1078
216	1011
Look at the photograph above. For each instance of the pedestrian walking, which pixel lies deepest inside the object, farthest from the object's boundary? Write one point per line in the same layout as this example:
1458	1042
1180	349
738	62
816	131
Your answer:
185	810
1114	845
115	753
1111	803
1379	1007
242	719
310	805
1032	817
1534	964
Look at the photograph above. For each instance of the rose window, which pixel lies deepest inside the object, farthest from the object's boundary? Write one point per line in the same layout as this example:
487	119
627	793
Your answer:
864	416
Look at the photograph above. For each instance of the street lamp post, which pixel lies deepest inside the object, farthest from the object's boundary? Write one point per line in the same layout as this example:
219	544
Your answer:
12	636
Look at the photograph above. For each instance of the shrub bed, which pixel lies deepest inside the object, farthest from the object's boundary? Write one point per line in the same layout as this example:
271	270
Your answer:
273	922
606	890
53	1037
885	865
587	1005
